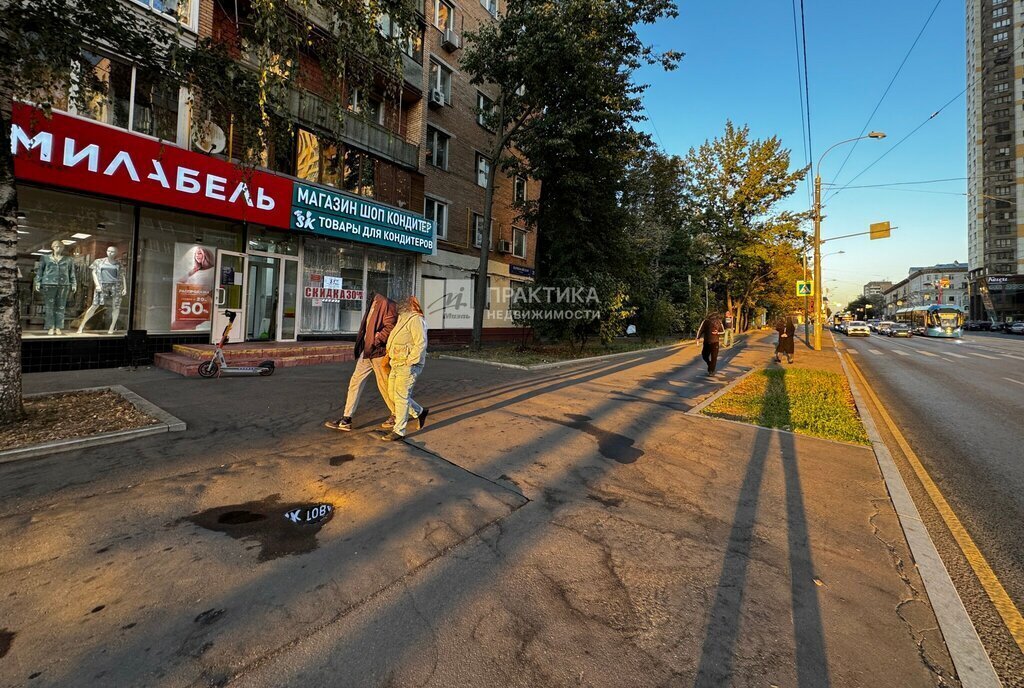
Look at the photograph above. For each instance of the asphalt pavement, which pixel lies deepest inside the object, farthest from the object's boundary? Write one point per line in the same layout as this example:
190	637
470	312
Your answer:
960	405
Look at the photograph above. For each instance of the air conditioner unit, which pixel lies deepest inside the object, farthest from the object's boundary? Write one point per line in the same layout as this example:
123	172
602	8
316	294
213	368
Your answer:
504	246
451	40
436	97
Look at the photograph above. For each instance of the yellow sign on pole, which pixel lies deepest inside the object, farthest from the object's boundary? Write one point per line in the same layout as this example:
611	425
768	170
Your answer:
879	230
804	288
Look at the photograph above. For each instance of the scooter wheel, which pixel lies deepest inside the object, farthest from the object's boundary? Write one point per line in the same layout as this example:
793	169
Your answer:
207	369
266	372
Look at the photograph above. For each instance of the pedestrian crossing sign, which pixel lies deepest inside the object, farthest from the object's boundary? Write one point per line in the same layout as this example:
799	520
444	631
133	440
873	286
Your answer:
804	288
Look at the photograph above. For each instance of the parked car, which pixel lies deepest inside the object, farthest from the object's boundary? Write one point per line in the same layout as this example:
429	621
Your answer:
899	330
858	328
1017	327
883	327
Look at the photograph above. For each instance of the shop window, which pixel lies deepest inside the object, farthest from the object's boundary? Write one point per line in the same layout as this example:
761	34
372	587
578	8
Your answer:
118	93
73	264
390	274
518	243
331	288
307	157
261	238
176	263
438	212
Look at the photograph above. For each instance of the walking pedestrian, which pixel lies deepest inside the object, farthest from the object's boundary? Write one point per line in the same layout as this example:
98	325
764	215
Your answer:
711	331
371	357
407	349
787	339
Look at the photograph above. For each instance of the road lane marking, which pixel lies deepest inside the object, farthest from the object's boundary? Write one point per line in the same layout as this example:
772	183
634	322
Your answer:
1009	613
1012	380
875	351
928	353
901	353
991	358
956	355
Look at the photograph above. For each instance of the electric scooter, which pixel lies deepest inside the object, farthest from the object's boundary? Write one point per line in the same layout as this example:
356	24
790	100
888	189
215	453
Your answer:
218	365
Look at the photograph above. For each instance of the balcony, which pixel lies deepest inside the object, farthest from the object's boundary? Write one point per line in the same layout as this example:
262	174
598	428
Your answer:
313	111
412	72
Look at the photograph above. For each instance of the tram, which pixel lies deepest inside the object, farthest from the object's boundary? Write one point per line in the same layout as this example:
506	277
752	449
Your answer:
933	320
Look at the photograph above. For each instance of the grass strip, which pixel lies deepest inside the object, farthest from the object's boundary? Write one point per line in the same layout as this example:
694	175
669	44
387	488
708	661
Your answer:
809	402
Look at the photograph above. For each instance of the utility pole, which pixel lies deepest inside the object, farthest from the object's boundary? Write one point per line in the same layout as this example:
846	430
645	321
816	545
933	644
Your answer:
817	261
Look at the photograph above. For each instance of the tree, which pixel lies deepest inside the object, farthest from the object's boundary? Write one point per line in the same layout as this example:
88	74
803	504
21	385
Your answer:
732	186
42	44
573	132
867	306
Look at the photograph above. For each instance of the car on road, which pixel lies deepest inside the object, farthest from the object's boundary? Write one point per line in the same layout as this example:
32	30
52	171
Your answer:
1017	327
883	327
899	330
857	328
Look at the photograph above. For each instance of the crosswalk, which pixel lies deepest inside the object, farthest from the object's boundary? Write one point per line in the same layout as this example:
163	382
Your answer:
948	356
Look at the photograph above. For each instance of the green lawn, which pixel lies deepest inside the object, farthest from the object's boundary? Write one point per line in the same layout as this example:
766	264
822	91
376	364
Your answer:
535	354
809	402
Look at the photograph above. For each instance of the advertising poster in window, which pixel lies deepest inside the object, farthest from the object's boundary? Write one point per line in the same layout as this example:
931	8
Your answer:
193	282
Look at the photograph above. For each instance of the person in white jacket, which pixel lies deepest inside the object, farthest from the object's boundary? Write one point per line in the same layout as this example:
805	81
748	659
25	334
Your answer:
407	349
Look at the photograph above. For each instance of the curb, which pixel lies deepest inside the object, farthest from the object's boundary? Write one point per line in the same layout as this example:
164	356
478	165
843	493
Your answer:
973	666
695	411
559	364
165	423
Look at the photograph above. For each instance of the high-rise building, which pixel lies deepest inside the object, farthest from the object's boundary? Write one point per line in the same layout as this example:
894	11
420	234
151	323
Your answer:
995	156
876	288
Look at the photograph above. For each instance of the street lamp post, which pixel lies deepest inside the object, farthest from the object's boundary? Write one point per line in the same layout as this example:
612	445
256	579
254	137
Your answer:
817	235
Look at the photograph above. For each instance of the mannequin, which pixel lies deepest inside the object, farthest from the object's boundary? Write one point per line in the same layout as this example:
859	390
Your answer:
110	285
55	278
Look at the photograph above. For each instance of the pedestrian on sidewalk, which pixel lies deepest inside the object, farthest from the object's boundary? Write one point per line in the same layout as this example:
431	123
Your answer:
787	338
711	331
371	357
407	349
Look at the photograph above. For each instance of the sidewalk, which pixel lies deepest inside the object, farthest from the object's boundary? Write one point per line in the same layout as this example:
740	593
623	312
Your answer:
556	528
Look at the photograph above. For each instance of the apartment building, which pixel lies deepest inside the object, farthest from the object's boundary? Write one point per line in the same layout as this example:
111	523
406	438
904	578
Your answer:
995	158
455	167
945	283
153	231
876	288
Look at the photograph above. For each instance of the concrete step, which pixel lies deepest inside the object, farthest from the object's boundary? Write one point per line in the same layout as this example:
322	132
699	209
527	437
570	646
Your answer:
186	363
247	350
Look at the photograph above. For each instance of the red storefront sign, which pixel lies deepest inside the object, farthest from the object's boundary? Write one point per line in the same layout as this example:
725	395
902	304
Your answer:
79	154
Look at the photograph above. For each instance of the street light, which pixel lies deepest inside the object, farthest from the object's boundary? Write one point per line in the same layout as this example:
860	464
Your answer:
817	234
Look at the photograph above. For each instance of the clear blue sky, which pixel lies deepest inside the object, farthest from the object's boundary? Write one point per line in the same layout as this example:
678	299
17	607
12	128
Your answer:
740	64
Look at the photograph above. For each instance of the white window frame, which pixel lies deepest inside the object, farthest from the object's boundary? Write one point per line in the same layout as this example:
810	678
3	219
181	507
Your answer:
447	147
450	24
517	232
482	170
181	128
519	181
477	229
189	23
481	100
439	82
491	6
442	224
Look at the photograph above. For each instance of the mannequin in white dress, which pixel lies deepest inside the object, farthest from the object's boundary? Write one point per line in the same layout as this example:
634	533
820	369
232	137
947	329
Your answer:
110	285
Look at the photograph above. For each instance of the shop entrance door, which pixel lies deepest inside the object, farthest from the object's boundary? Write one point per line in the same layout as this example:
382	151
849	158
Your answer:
229	295
272	297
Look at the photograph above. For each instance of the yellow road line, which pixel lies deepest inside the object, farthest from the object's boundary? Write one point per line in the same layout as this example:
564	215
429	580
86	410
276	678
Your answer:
986	576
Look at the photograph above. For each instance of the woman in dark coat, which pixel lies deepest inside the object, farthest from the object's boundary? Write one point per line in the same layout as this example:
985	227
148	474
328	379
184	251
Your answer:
787	332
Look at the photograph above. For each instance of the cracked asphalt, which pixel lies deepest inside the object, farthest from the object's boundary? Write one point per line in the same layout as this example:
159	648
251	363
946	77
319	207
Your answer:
560	528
